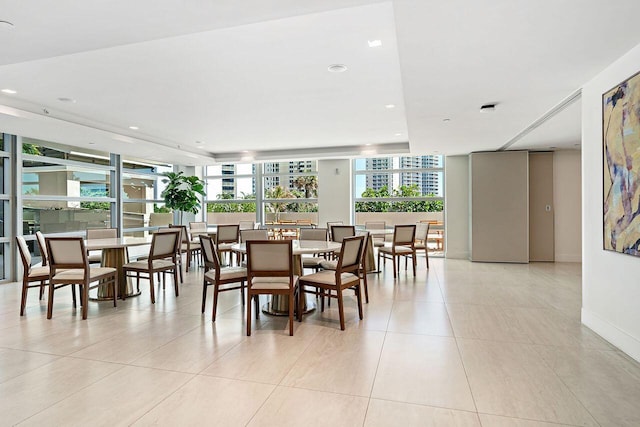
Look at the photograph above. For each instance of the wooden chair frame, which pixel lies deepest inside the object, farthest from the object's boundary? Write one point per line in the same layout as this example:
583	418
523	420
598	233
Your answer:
398	249
39	275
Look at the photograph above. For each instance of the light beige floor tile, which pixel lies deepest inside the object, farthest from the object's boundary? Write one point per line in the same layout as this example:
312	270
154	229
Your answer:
385	413
195	350
510	379
498	421
26	395
141	339
116	400
422	369
299	407
425	288
17	362
265	358
606	382
486	322
209	401
338	362
420	317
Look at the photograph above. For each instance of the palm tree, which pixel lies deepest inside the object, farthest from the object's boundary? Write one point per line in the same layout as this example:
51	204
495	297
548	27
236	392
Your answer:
307	183
278	192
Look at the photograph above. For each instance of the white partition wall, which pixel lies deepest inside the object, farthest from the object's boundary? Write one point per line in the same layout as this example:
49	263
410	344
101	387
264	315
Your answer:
610	287
334	192
456	211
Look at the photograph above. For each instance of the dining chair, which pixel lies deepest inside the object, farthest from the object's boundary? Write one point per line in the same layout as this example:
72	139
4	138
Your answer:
403	245
42	245
253	235
163	258
318	234
378	241
196	229
69	265
333	265
187	246
95	257
422	232
346	276
226	237
169	229
218	276
339	232
39	275
270	272
331	224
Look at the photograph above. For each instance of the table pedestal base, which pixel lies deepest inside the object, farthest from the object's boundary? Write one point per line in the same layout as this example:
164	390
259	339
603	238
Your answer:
116	258
279	306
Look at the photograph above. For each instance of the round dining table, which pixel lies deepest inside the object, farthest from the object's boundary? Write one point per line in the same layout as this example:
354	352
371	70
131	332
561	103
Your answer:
279	304
114	254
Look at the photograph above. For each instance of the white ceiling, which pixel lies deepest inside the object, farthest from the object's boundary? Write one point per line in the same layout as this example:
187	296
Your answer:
251	82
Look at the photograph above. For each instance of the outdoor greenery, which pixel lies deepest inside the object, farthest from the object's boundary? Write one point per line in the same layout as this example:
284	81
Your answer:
160	209
232	206
92	192
31	149
401	206
181	193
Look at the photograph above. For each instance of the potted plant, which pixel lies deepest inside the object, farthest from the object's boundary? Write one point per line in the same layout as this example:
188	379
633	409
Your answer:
182	192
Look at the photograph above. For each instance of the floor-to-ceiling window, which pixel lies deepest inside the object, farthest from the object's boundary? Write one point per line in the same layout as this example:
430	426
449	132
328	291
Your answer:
5	227
401	190
143	208
290	191
231	193
64	190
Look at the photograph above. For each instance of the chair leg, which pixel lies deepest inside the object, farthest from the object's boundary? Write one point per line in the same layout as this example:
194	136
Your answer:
188	256
73	295
175	282
256	301
85	300
291	305
23	300
152	288
366	287
41	289
204	294
215	301
300	296
393	258
414	261
426	255
50	302
248	314
359	297
242	286
341	309
115	290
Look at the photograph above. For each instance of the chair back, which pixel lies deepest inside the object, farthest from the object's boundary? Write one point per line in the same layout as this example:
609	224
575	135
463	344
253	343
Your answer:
313	234
228	233
339	232
184	234
102	233
331	224
365	245
375	225
422	231
404	235
200	226
270	258
211	260
246	225
253	235
350	254
67	253
165	244
43	247
24	254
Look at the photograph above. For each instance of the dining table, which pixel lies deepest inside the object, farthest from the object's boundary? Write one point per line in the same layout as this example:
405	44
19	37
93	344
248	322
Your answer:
115	254
372	232
279	304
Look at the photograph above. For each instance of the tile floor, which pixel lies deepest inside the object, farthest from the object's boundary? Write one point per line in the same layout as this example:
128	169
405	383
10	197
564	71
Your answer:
462	344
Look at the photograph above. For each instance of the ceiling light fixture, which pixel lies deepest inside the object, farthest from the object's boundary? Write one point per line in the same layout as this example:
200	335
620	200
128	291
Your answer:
488	108
9	91
65	99
198	142
374	43
390	106
6	24
337	68
398	134
134	127
446	120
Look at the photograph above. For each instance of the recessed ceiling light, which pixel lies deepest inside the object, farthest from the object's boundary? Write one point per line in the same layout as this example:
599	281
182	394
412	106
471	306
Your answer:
6	24
91	143
9	91
198	142
374	43
65	99
337	68
398	134
390	106
134	127
446	120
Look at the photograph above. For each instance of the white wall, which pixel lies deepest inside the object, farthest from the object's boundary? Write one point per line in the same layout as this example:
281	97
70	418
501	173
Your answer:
567	206
456	208
610	285
334	191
